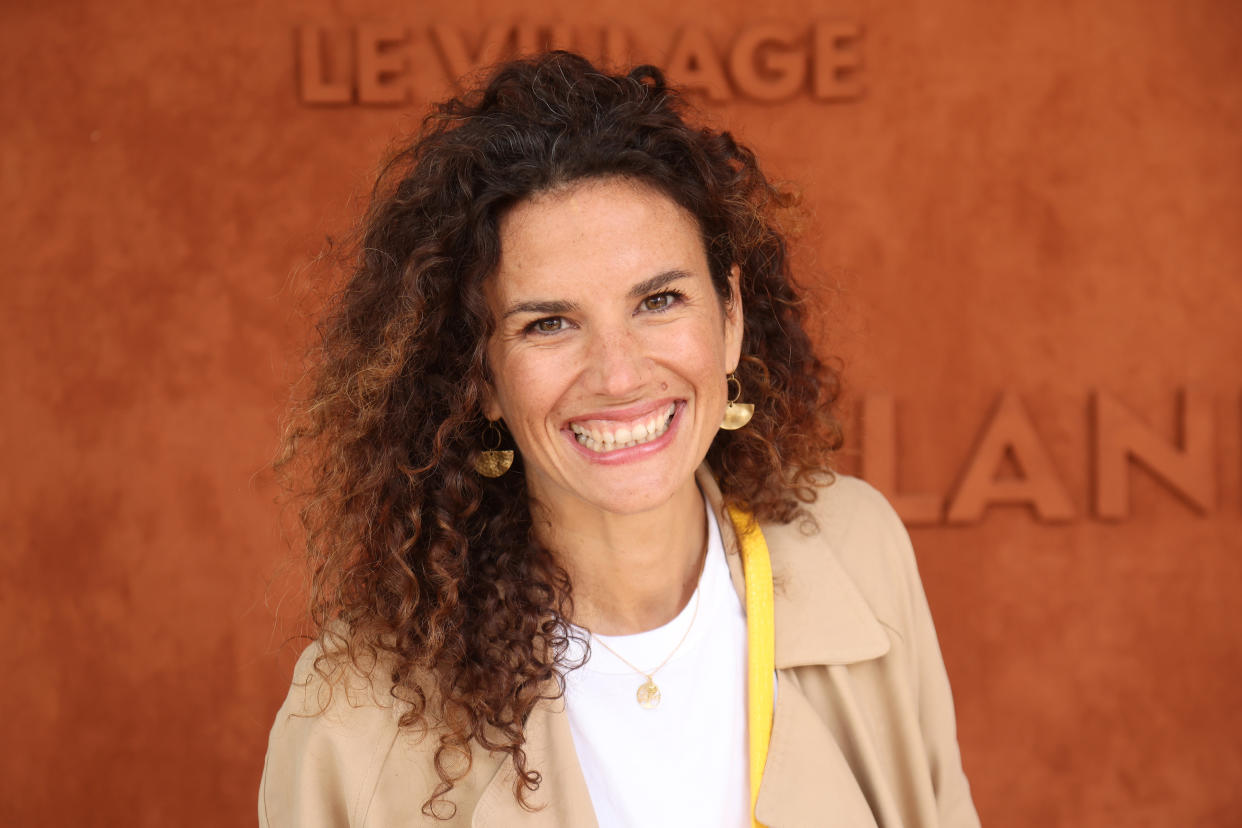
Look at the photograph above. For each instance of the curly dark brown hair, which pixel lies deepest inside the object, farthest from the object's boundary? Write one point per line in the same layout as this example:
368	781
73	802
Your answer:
419	563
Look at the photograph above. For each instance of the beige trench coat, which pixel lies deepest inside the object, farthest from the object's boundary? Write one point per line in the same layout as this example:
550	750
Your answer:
863	733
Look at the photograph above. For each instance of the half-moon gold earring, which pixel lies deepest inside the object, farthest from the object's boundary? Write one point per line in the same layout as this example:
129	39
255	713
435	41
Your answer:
492	462
737	414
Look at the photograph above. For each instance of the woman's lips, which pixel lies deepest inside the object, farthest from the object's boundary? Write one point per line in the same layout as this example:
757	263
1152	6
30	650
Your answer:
619	441
608	435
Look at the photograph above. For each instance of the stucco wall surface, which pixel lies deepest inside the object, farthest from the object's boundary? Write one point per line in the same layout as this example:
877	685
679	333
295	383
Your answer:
1027	201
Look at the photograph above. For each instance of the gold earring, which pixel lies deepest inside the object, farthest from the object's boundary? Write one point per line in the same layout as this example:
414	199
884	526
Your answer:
492	462
736	414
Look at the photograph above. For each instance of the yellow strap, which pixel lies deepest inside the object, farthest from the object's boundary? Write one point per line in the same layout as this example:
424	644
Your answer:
760	646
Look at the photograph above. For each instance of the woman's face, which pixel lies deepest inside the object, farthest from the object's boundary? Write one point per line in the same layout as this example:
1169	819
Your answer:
611	348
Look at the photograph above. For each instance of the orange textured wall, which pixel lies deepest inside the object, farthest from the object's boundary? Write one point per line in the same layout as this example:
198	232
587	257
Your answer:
1037	198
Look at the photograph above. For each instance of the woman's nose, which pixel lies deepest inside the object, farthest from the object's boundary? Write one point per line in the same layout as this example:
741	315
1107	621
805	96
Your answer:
618	365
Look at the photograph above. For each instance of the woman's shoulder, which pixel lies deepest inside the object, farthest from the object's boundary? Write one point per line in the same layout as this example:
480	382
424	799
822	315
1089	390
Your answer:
849	504
330	685
854	520
334	739
854	523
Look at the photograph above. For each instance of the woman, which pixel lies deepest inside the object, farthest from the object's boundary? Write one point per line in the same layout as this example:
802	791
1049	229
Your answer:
534	472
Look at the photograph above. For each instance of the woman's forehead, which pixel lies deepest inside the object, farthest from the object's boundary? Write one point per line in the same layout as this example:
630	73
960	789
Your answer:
606	228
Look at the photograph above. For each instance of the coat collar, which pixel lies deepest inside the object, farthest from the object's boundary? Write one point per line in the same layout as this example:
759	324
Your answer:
821	618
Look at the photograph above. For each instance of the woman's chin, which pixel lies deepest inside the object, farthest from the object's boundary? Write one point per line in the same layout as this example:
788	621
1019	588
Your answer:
636	492
631	504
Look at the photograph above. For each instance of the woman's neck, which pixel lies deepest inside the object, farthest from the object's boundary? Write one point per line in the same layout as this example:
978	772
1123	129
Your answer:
630	573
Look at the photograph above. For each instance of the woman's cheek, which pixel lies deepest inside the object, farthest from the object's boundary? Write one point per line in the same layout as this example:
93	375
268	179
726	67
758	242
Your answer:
538	377
699	346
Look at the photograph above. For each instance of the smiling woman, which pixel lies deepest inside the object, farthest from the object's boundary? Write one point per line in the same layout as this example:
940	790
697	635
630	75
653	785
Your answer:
615	401
561	258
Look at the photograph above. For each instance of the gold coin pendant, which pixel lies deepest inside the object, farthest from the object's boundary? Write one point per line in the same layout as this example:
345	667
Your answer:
648	695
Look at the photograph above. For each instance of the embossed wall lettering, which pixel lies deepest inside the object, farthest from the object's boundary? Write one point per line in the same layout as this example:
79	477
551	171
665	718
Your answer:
375	63
1010	464
1122	439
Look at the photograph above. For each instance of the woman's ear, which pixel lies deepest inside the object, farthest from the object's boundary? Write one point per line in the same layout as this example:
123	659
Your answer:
489	402
734	320
490	405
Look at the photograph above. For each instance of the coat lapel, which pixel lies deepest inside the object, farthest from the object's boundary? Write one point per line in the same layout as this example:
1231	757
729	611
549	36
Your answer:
807	780
821	619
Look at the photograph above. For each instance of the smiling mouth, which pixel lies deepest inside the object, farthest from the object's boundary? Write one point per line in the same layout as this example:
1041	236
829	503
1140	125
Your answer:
601	438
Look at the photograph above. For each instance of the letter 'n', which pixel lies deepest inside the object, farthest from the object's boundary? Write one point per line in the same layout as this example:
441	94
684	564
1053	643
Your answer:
1121	437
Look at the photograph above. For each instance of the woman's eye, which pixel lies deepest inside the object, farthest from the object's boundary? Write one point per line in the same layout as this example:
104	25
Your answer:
660	301
551	324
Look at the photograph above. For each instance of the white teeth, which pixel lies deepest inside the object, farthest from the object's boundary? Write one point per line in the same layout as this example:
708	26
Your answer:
602	440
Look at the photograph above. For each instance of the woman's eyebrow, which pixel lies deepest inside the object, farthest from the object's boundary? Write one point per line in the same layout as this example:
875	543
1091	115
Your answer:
648	286
545	306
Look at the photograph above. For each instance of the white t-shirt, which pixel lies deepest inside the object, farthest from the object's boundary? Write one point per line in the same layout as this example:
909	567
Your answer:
684	762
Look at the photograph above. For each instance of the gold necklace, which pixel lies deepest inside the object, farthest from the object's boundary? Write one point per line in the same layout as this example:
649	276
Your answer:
648	694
